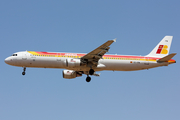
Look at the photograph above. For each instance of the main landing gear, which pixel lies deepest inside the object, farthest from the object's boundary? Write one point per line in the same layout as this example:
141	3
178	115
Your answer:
24	69
88	79
91	72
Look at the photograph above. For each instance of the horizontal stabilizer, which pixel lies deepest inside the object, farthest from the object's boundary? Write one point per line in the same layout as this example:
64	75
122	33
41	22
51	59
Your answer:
167	58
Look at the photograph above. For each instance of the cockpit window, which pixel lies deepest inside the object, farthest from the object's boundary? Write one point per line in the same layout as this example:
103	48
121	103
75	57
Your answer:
14	54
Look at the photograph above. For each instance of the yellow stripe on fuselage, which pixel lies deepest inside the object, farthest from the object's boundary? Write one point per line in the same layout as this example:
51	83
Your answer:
33	53
112	58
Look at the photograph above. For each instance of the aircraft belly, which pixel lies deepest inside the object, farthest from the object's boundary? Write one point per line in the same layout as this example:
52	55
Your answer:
117	65
42	62
126	65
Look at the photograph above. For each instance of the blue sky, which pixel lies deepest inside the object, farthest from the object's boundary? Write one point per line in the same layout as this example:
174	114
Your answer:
81	26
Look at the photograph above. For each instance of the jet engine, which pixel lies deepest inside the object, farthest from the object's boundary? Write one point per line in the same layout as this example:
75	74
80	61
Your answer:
69	74
73	62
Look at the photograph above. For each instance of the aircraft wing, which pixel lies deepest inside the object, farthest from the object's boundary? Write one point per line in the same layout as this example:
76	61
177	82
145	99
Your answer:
97	54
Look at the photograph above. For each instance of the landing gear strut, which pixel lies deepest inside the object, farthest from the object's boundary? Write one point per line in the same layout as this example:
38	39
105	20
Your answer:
91	72
24	69
88	79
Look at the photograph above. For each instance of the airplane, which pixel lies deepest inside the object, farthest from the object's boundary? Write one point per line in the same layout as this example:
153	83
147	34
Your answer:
77	64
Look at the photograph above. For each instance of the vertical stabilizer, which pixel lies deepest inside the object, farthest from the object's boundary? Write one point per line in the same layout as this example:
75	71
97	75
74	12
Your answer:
162	49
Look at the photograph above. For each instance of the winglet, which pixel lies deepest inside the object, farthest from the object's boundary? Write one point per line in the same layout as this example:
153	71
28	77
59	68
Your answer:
114	39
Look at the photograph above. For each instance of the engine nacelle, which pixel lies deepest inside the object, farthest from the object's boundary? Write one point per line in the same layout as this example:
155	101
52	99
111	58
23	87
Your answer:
69	74
72	62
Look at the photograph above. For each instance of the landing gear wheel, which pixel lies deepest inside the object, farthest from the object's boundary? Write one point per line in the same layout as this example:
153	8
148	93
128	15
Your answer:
88	79
91	71
23	73
24	69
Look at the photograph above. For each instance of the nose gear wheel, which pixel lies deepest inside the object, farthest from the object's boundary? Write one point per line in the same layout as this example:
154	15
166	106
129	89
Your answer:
24	69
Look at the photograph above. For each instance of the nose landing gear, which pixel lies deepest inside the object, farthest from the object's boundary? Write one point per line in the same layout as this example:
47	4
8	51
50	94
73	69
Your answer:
24	69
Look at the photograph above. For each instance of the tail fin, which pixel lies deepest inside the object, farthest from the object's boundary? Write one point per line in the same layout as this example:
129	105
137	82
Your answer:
162	49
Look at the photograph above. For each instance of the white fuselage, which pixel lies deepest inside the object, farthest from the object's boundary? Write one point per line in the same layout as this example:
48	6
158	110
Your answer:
58	60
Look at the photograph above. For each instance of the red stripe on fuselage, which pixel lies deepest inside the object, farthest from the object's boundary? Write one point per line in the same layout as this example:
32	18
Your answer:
110	56
46	53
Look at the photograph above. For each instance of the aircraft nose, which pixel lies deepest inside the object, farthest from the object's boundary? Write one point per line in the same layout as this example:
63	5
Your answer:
8	60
